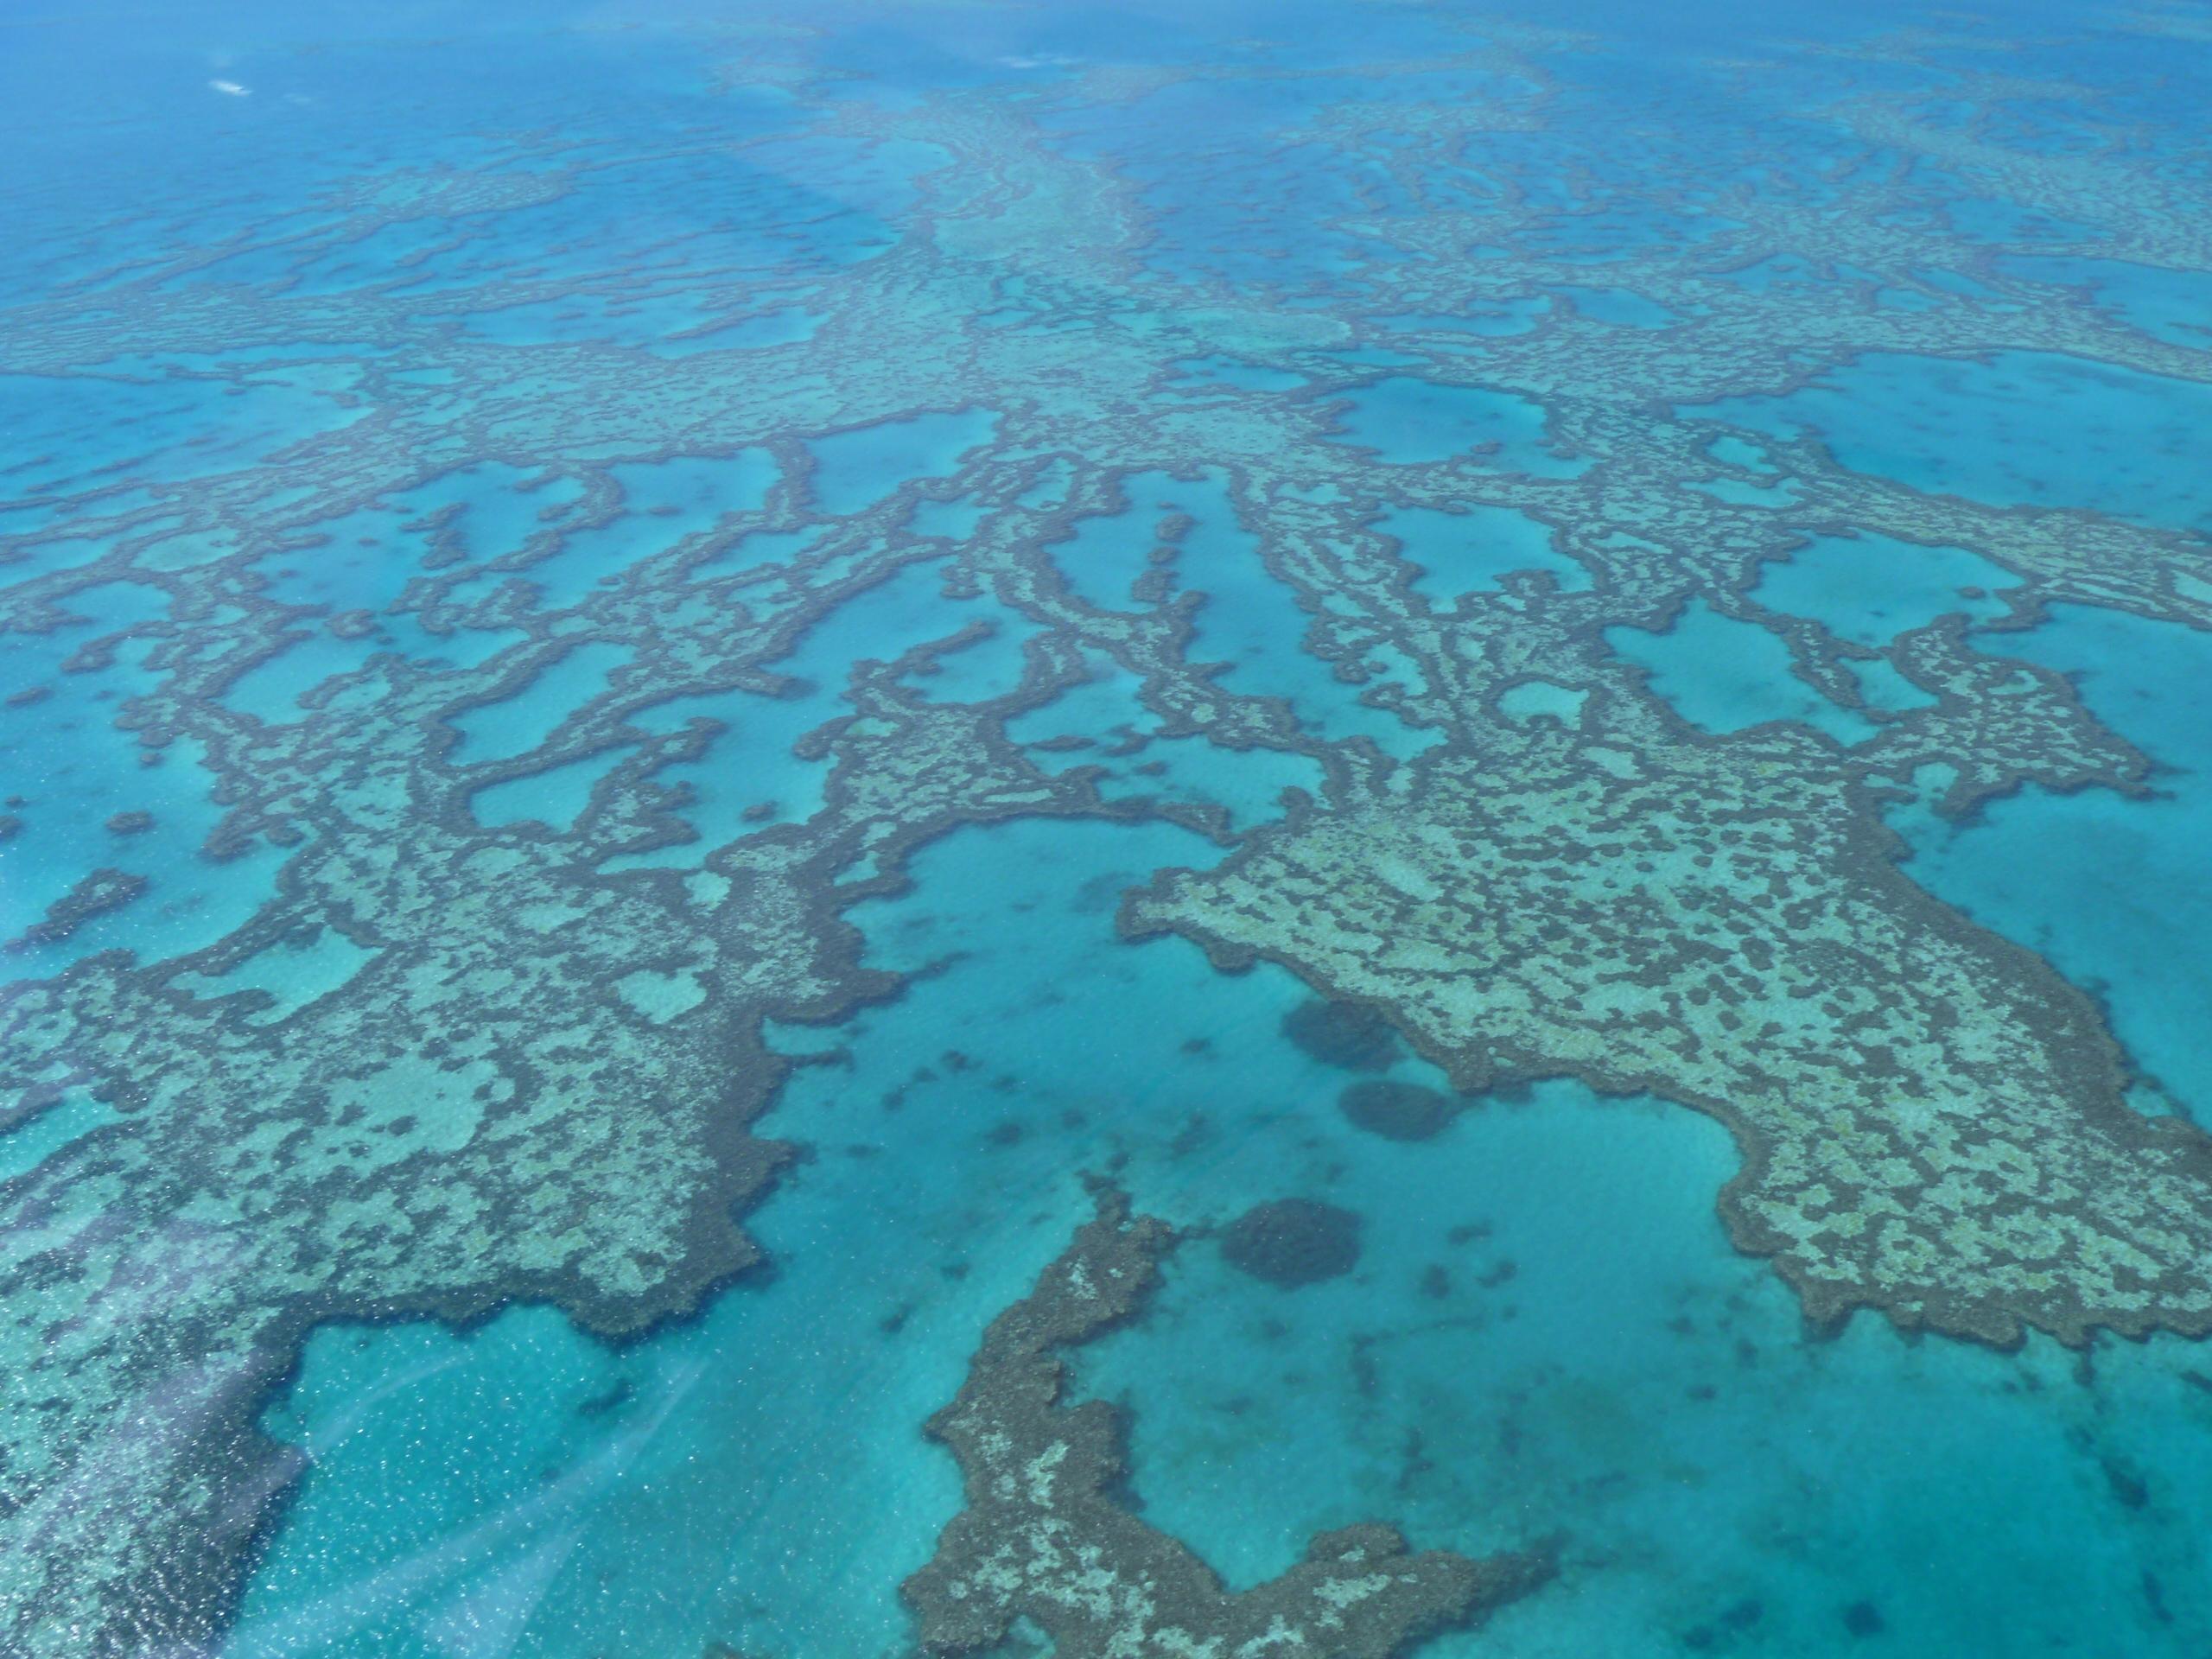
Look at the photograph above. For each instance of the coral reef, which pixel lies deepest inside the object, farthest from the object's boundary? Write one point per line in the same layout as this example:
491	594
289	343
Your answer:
1932	1120
1044	1537
1292	1241
1398	1111
337	511
1346	1035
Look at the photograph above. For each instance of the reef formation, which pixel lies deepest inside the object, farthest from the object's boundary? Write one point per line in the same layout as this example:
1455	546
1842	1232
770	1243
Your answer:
368	517
1044	1537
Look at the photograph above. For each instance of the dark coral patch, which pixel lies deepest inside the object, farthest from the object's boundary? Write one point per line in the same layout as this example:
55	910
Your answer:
1350	1035
1862	1618
1293	1241
1397	1111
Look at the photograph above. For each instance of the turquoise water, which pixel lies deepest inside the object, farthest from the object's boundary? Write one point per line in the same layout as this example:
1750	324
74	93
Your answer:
2108	889
1455	552
1869	590
2023	429
678	681
1723	674
1406	421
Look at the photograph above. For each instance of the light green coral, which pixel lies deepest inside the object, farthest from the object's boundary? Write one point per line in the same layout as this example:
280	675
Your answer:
1932	1121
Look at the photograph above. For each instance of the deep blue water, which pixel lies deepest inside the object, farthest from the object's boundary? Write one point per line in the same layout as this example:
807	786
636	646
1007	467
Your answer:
605	605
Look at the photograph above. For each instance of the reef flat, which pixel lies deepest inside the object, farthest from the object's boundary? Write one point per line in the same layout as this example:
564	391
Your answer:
1044	1538
506	569
1933	1121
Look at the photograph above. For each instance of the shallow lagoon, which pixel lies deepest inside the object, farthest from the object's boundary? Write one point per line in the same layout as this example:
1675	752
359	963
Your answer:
2022	430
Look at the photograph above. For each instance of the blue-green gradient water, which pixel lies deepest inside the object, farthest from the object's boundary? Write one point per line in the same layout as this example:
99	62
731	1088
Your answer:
600	606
